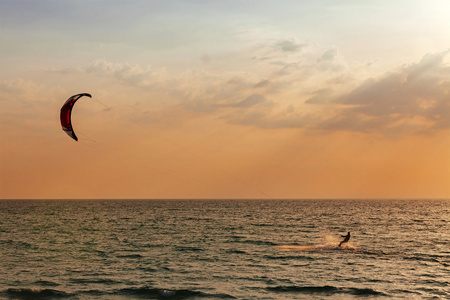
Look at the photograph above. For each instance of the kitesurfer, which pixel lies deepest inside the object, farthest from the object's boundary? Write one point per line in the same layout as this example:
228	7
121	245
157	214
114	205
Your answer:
346	238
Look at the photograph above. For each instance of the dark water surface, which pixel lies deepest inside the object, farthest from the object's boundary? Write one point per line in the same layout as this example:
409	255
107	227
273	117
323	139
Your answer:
219	249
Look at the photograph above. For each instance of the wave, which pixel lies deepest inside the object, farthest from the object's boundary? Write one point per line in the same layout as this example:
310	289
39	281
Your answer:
35	293
257	242
235	251
350	248
154	293
263	224
428	258
104	281
326	290
139	292
288	257
46	283
129	256
188	248
18	244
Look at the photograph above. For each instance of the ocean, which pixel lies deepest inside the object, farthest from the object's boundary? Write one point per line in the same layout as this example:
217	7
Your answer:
224	249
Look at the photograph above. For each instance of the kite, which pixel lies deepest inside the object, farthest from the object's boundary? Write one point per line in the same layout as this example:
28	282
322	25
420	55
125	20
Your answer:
66	112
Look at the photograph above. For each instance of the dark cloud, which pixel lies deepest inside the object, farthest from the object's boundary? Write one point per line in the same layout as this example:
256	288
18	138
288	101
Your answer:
290	45
329	55
263	83
250	101
273	50
320	96
206	59
330	60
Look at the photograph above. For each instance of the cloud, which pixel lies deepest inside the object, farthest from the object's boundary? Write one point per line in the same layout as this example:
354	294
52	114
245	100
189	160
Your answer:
329	55
250	101
206	59
309	65
320	96
269	116
332	60
131	74
290	45
276	49
412	99
17	86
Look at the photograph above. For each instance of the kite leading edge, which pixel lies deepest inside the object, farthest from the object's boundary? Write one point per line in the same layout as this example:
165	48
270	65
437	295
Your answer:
66	112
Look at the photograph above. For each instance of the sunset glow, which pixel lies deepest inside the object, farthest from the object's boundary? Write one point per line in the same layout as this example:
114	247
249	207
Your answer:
226	99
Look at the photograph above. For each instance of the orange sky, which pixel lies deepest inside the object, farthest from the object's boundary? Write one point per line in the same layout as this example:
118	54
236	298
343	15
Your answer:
272	105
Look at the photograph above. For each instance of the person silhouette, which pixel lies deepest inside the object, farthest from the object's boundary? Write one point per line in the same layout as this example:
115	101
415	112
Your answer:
346	238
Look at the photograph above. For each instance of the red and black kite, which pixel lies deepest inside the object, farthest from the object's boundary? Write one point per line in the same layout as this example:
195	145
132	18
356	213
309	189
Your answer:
66	112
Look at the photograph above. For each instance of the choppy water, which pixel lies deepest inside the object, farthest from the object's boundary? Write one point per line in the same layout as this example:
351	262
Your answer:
251	249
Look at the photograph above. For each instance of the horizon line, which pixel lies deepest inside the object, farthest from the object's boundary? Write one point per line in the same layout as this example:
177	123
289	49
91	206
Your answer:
222	199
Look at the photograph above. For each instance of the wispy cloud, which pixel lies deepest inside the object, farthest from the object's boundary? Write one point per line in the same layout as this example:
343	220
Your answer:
290	45
411	99
131	74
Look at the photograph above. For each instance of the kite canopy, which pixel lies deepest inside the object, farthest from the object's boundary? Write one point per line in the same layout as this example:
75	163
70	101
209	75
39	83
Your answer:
66	112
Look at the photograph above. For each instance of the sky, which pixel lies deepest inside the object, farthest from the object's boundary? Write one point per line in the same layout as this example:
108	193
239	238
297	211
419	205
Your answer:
225	99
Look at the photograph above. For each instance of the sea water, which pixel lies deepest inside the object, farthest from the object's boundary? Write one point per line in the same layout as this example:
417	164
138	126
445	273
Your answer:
224	249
